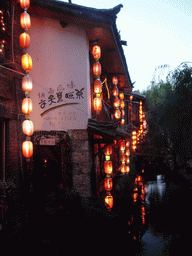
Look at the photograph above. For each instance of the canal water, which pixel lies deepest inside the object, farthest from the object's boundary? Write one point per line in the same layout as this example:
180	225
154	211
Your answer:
165	216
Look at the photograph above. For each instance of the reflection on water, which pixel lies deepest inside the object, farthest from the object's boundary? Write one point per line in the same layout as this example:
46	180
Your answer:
153	243
155	189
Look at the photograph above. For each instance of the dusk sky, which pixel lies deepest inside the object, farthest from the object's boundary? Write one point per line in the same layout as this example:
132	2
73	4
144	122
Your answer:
157	32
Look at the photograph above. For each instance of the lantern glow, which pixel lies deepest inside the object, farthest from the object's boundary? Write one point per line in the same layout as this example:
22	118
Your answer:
27	149
97	69
96	52
122	145
117	114
26	62
27	106
97	86
97	103
116	102
109	201
115	91
24	40
24	3
121	96
115	80
108	150
25	20
28	127
27	84
108	184
108	167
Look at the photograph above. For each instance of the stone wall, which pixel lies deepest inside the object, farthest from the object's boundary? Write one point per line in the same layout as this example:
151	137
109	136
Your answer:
81	162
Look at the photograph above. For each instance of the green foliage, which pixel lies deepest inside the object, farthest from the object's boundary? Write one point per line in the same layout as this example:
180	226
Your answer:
169	116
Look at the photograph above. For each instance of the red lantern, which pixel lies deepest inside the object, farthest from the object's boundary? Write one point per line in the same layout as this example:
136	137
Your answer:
97	86
127	161
26	62
27	149
115	80
108	167
108	150
122	113
27	106
127	152
24	40
127	169
108	184
96	51
97	69
109	201
25	20
115	91
122	121
116	102
117	114
121	96
127	144
122	145
97	103
24	3
122	157
123	168
28	127
27	84
122	104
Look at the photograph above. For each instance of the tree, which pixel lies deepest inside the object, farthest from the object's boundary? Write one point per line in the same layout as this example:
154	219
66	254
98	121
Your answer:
170	114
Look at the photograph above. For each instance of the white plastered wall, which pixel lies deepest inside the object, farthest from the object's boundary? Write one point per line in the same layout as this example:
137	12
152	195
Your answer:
61	75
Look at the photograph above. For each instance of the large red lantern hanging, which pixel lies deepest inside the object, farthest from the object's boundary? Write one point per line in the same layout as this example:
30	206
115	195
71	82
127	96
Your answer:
122	104
116	102
97	103
108	184
108	167
117	114
27	149
123	168
108	150
25	20
115	91
122	157
97	86
122	145
25	4
27	106
24	40
26	62
115	80
109	201
96	52
28	127
121	96
97	69
27	84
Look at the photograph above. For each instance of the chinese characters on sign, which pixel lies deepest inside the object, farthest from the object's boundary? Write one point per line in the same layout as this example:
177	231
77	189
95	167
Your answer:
54	97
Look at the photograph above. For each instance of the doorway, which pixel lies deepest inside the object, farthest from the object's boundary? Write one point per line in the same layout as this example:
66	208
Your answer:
47	168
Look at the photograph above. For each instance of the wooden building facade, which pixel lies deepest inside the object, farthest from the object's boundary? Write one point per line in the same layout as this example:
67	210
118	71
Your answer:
72	134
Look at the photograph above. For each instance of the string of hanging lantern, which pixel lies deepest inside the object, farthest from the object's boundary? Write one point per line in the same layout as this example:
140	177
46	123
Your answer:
3	29
116	102
122	105
127	155
97	102
140	134
122	156
108	182
27	85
